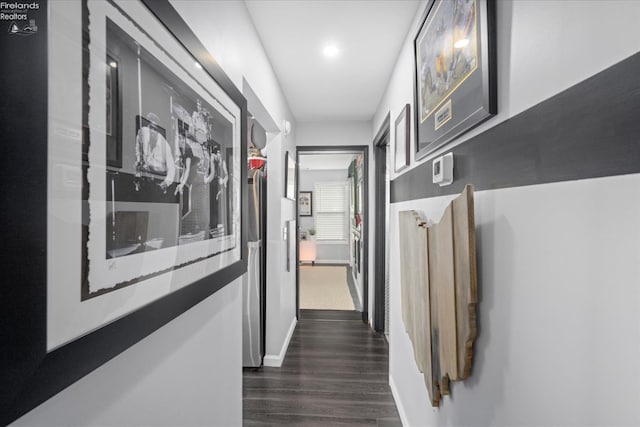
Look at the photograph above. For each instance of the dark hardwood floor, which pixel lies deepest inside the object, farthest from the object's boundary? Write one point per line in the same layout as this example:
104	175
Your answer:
335	373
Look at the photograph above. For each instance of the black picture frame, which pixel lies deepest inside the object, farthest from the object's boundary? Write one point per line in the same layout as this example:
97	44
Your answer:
305	203
30	373
402	133
289	177
454	71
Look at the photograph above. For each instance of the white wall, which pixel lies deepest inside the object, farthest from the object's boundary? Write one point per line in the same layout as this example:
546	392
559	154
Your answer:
333	133
187	373
190	371
281	285
558	272
333	251
558	264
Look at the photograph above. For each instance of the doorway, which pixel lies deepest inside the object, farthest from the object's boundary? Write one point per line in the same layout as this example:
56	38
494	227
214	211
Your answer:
331	249
381	229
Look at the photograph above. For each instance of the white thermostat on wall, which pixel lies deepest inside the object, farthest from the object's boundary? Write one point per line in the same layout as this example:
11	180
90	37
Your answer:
443	169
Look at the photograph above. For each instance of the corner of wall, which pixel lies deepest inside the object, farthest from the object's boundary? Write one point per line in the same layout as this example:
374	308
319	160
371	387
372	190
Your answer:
275	361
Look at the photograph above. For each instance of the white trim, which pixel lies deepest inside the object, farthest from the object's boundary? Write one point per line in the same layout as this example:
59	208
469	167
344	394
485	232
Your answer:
358	292
329	261
396	398
354	276
332	242
276	361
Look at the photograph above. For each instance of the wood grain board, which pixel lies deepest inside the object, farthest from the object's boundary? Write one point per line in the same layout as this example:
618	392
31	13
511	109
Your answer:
465	267
443	298
415	295
423	322
439	292
407	247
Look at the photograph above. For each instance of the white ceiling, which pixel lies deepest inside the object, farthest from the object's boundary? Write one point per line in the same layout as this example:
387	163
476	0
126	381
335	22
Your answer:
369	34
325	161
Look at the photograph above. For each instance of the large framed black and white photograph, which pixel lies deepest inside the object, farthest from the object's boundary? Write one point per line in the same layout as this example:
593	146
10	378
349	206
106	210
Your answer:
146	153
168	212
455	81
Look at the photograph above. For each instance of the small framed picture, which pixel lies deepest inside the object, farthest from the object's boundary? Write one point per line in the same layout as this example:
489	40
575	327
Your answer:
403	138
305	203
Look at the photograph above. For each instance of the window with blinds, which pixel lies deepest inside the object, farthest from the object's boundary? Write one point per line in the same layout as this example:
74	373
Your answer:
331	211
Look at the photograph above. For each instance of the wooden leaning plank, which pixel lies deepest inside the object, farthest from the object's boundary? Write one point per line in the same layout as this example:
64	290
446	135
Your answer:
439	292
464	237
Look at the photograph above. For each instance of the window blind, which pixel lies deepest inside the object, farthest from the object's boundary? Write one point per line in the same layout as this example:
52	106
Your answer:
331	216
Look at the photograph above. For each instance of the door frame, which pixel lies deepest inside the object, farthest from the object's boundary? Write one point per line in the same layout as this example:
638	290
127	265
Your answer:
324	149
380	146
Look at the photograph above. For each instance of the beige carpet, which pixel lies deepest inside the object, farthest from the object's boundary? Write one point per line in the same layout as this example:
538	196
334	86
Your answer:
324	288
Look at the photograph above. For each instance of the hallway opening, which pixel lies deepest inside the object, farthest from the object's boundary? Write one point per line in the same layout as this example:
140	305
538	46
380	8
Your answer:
331	221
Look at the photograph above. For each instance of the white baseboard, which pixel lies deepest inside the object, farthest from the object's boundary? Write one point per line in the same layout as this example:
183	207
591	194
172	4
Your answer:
358	293
275	361
327	261
396	398
356	284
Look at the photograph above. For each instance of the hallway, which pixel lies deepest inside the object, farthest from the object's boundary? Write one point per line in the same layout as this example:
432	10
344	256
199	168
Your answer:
335	373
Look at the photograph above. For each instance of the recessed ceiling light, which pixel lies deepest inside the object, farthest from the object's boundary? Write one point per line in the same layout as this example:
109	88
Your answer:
113	64
461	43
331	51
198	65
